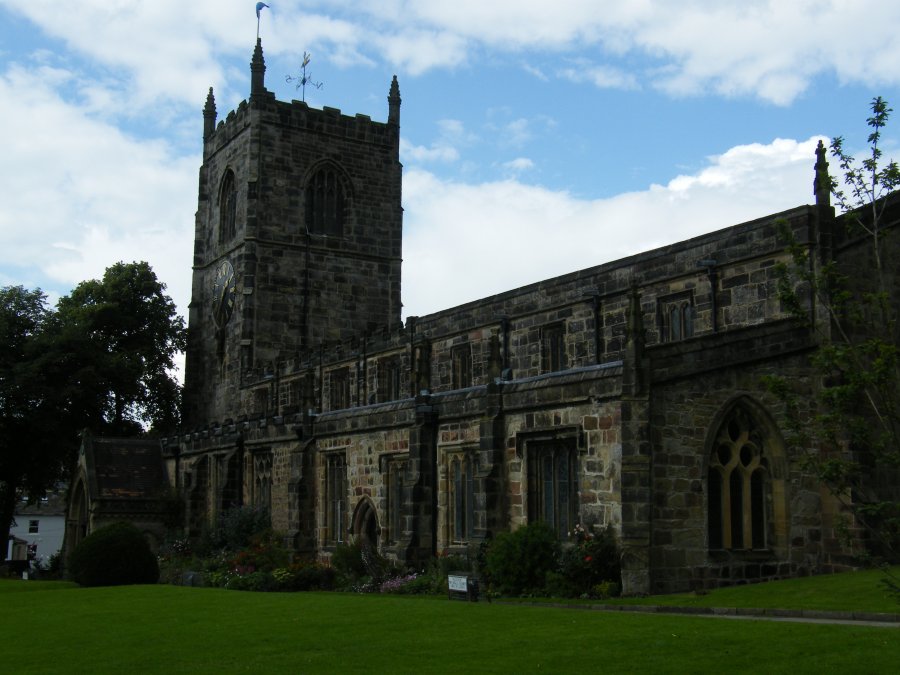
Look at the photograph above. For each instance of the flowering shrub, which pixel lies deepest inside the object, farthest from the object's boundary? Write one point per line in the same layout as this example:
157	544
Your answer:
397	584
588	562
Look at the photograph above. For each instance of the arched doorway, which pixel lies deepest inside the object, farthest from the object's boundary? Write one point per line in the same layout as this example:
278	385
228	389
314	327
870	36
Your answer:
365	524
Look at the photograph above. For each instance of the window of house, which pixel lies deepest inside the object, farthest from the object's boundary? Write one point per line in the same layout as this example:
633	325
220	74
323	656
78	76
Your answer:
339	389
460	498
461	365
552	491
553	348
389	379
33	526
335	498
676	317
738	484
262	481
396	468
325	203
227	208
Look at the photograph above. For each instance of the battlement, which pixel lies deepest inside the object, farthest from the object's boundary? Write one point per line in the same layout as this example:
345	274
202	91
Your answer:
298	116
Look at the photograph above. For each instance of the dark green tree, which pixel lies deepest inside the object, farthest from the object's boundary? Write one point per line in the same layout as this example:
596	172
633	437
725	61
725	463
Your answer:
31	457
853	437
117	339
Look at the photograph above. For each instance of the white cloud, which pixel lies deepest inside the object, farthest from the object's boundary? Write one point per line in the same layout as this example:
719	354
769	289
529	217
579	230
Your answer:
507	234
437	152
764	48
602	76
519	164
81	195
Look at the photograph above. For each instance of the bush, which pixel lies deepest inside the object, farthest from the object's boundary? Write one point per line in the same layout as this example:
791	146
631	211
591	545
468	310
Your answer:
518	562
586	565
303	575
361	568
236	529
115	555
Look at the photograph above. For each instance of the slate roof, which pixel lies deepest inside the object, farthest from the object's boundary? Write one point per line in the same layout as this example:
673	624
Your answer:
128	468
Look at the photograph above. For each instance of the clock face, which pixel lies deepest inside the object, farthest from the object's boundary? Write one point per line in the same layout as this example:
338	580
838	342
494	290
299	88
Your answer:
224	287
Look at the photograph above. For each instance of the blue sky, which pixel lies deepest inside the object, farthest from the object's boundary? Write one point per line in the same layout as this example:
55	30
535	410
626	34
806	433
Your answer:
537	138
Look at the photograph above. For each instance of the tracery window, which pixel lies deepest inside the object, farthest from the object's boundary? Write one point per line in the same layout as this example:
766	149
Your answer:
552	491
738	483
335	498
227	208
325	203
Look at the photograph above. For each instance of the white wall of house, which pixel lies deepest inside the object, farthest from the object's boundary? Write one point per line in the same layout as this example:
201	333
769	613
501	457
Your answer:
46	531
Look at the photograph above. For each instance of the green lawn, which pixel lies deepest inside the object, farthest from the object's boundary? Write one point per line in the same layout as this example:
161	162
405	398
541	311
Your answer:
147	629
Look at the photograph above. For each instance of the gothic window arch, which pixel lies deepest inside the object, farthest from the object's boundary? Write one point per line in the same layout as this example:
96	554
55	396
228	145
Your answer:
741	510
227	208
326	199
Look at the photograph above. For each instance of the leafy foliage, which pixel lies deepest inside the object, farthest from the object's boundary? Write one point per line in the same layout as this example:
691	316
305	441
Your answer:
236	529
518	562
117	341
852	439
34	451
115	555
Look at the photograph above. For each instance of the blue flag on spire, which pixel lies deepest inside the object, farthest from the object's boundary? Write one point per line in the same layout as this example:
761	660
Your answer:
259	6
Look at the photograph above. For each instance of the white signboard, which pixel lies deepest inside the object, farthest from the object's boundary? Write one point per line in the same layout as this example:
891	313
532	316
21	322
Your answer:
456	583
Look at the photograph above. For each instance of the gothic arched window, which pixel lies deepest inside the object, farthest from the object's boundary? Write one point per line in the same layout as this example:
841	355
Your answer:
227	208
738	482
325	203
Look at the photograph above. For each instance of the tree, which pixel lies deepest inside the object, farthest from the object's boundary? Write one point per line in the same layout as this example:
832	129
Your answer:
103	360
853	439
31	455
117	341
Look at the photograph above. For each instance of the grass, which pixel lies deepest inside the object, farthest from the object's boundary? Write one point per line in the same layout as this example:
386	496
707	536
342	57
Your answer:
169	629
850	591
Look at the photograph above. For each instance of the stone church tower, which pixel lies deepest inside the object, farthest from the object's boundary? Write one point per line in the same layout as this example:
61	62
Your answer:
297	240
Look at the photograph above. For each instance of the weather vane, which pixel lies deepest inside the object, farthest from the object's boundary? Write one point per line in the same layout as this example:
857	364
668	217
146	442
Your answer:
305	78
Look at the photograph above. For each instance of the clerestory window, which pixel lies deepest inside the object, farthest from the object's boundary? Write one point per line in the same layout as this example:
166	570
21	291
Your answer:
676	317
461	362
553	348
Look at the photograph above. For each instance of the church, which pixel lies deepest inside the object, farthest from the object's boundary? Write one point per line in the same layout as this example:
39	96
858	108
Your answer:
629	394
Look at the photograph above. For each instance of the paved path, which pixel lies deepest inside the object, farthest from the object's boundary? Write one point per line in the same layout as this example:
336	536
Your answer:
877	619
